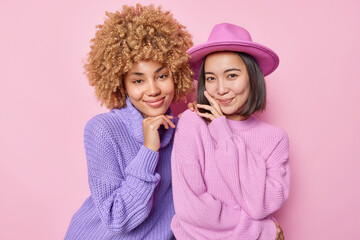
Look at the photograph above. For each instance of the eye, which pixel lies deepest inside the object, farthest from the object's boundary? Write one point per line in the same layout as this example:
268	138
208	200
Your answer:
209	79
163	76
232	75
137	81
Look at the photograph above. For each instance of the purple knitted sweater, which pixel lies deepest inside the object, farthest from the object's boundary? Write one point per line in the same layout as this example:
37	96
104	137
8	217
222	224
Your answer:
131	194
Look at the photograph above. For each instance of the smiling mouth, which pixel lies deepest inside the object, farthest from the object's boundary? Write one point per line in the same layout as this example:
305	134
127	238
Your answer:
225	101
156	102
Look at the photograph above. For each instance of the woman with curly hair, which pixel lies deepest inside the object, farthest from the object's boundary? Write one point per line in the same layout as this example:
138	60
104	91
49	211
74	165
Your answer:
138	65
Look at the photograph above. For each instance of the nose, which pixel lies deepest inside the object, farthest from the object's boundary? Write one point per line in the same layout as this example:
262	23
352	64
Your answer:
222	88
154	89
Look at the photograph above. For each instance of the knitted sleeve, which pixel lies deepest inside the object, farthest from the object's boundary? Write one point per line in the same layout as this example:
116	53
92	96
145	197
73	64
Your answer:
259	183
122	195
194	206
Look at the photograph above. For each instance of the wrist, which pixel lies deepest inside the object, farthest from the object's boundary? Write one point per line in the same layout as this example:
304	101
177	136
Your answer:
152	147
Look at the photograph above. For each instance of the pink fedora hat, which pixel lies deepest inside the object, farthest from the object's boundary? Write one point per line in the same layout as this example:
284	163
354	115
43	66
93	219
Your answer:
229	37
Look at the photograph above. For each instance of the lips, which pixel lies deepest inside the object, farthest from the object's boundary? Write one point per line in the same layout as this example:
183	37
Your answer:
155	102
225	101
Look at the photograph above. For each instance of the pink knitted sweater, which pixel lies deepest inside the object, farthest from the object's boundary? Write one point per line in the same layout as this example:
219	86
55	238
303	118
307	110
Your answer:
228	178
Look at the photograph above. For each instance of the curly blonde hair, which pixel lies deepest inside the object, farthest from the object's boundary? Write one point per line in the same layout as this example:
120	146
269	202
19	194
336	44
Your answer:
132	35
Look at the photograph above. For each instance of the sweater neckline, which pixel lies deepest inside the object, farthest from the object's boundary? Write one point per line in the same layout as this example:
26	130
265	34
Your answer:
132	118
242	125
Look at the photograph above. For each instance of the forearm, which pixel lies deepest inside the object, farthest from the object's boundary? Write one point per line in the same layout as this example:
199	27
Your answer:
196	206
124	203
260	184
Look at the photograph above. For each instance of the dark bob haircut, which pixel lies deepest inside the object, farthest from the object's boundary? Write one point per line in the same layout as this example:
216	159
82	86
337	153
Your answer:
257	96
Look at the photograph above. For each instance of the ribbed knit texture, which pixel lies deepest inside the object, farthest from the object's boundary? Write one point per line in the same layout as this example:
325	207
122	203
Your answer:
228	178
131	195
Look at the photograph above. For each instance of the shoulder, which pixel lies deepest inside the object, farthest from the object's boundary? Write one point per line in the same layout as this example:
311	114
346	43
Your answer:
190	120
104	124
188	115
190	133
275	133
190	127
269	128
102	120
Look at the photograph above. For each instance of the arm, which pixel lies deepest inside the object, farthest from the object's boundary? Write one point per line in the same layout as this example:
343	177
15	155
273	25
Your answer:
260	184
193	204
123	196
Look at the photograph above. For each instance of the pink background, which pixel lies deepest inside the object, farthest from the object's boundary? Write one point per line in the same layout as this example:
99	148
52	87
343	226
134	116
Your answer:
45	102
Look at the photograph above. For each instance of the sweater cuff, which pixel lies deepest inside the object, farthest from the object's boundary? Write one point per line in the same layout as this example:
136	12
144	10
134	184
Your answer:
144	163
219	128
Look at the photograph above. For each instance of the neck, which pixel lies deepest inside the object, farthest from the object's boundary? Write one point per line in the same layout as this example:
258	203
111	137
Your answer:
236	117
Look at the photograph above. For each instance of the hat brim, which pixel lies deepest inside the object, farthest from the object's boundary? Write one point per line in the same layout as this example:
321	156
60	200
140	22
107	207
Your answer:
267	59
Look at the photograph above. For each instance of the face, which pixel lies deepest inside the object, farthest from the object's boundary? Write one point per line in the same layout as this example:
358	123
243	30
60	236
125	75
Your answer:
150	88
227	81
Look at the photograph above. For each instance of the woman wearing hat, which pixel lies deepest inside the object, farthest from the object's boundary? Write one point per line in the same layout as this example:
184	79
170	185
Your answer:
138	65
230	170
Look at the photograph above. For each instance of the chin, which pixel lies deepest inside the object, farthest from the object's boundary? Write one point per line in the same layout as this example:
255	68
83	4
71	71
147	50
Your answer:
157	112
228	111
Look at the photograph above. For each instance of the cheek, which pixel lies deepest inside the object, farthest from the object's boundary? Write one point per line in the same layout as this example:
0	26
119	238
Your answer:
241	88
169	87
134	92
210	88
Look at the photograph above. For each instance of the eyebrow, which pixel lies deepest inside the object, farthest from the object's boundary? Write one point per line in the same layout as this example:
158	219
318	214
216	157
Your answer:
232	69
142	74
227	70
137	73
159	69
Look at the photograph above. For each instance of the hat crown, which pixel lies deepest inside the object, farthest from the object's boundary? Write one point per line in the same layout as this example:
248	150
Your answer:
229	32
230	37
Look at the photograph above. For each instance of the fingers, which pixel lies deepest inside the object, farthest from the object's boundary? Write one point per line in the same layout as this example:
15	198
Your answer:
210	108
279	232
212	101
163	120
156	122
280	236
191	106
209	98
168	120
165	124
205	115
150	130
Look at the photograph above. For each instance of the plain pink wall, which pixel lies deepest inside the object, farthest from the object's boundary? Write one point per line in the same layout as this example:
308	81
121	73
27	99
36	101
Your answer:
46	101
